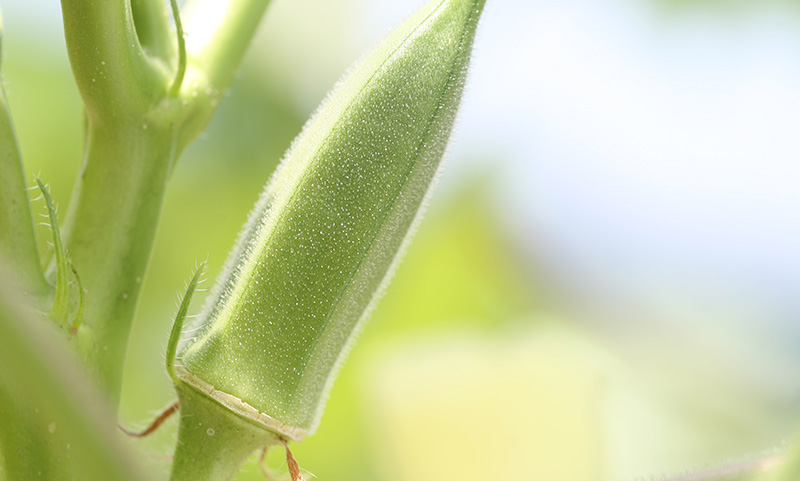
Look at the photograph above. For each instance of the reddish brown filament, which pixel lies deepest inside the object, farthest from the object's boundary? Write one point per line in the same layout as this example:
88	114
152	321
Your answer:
294	468
165	414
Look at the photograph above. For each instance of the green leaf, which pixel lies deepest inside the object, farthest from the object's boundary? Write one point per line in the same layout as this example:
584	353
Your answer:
177	326
61	300
53	423
323	240
78	320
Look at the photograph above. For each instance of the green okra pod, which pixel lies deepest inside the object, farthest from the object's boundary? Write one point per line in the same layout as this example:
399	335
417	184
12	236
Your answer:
331	225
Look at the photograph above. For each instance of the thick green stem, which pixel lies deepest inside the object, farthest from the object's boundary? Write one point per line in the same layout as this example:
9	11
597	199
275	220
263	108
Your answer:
114	74
109	234
17	237
213	443
136	128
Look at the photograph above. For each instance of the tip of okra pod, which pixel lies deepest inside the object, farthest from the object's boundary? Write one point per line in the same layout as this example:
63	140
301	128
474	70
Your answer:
475	5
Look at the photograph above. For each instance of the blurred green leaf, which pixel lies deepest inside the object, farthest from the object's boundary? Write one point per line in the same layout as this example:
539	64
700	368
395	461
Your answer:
53	423
17	235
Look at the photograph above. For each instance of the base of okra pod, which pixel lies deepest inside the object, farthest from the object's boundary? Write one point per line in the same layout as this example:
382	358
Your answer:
213	442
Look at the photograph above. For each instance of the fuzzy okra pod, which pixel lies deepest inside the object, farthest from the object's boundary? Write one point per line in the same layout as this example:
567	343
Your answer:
323	239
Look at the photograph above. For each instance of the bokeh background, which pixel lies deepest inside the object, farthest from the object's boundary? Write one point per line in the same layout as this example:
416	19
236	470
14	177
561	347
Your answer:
606	286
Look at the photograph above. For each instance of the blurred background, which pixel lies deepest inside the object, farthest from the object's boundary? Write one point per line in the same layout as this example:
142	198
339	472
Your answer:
606	285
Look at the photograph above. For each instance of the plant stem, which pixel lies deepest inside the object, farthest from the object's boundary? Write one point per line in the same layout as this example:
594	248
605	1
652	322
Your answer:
136	129
115	76
212	442
109	234
175	88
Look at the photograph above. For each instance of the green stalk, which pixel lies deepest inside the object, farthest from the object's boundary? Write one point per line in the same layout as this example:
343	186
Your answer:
212	443
115	76
109	234
141	114
181	70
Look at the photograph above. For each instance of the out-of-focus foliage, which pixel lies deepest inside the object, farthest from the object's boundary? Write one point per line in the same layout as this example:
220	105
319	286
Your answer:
47	405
